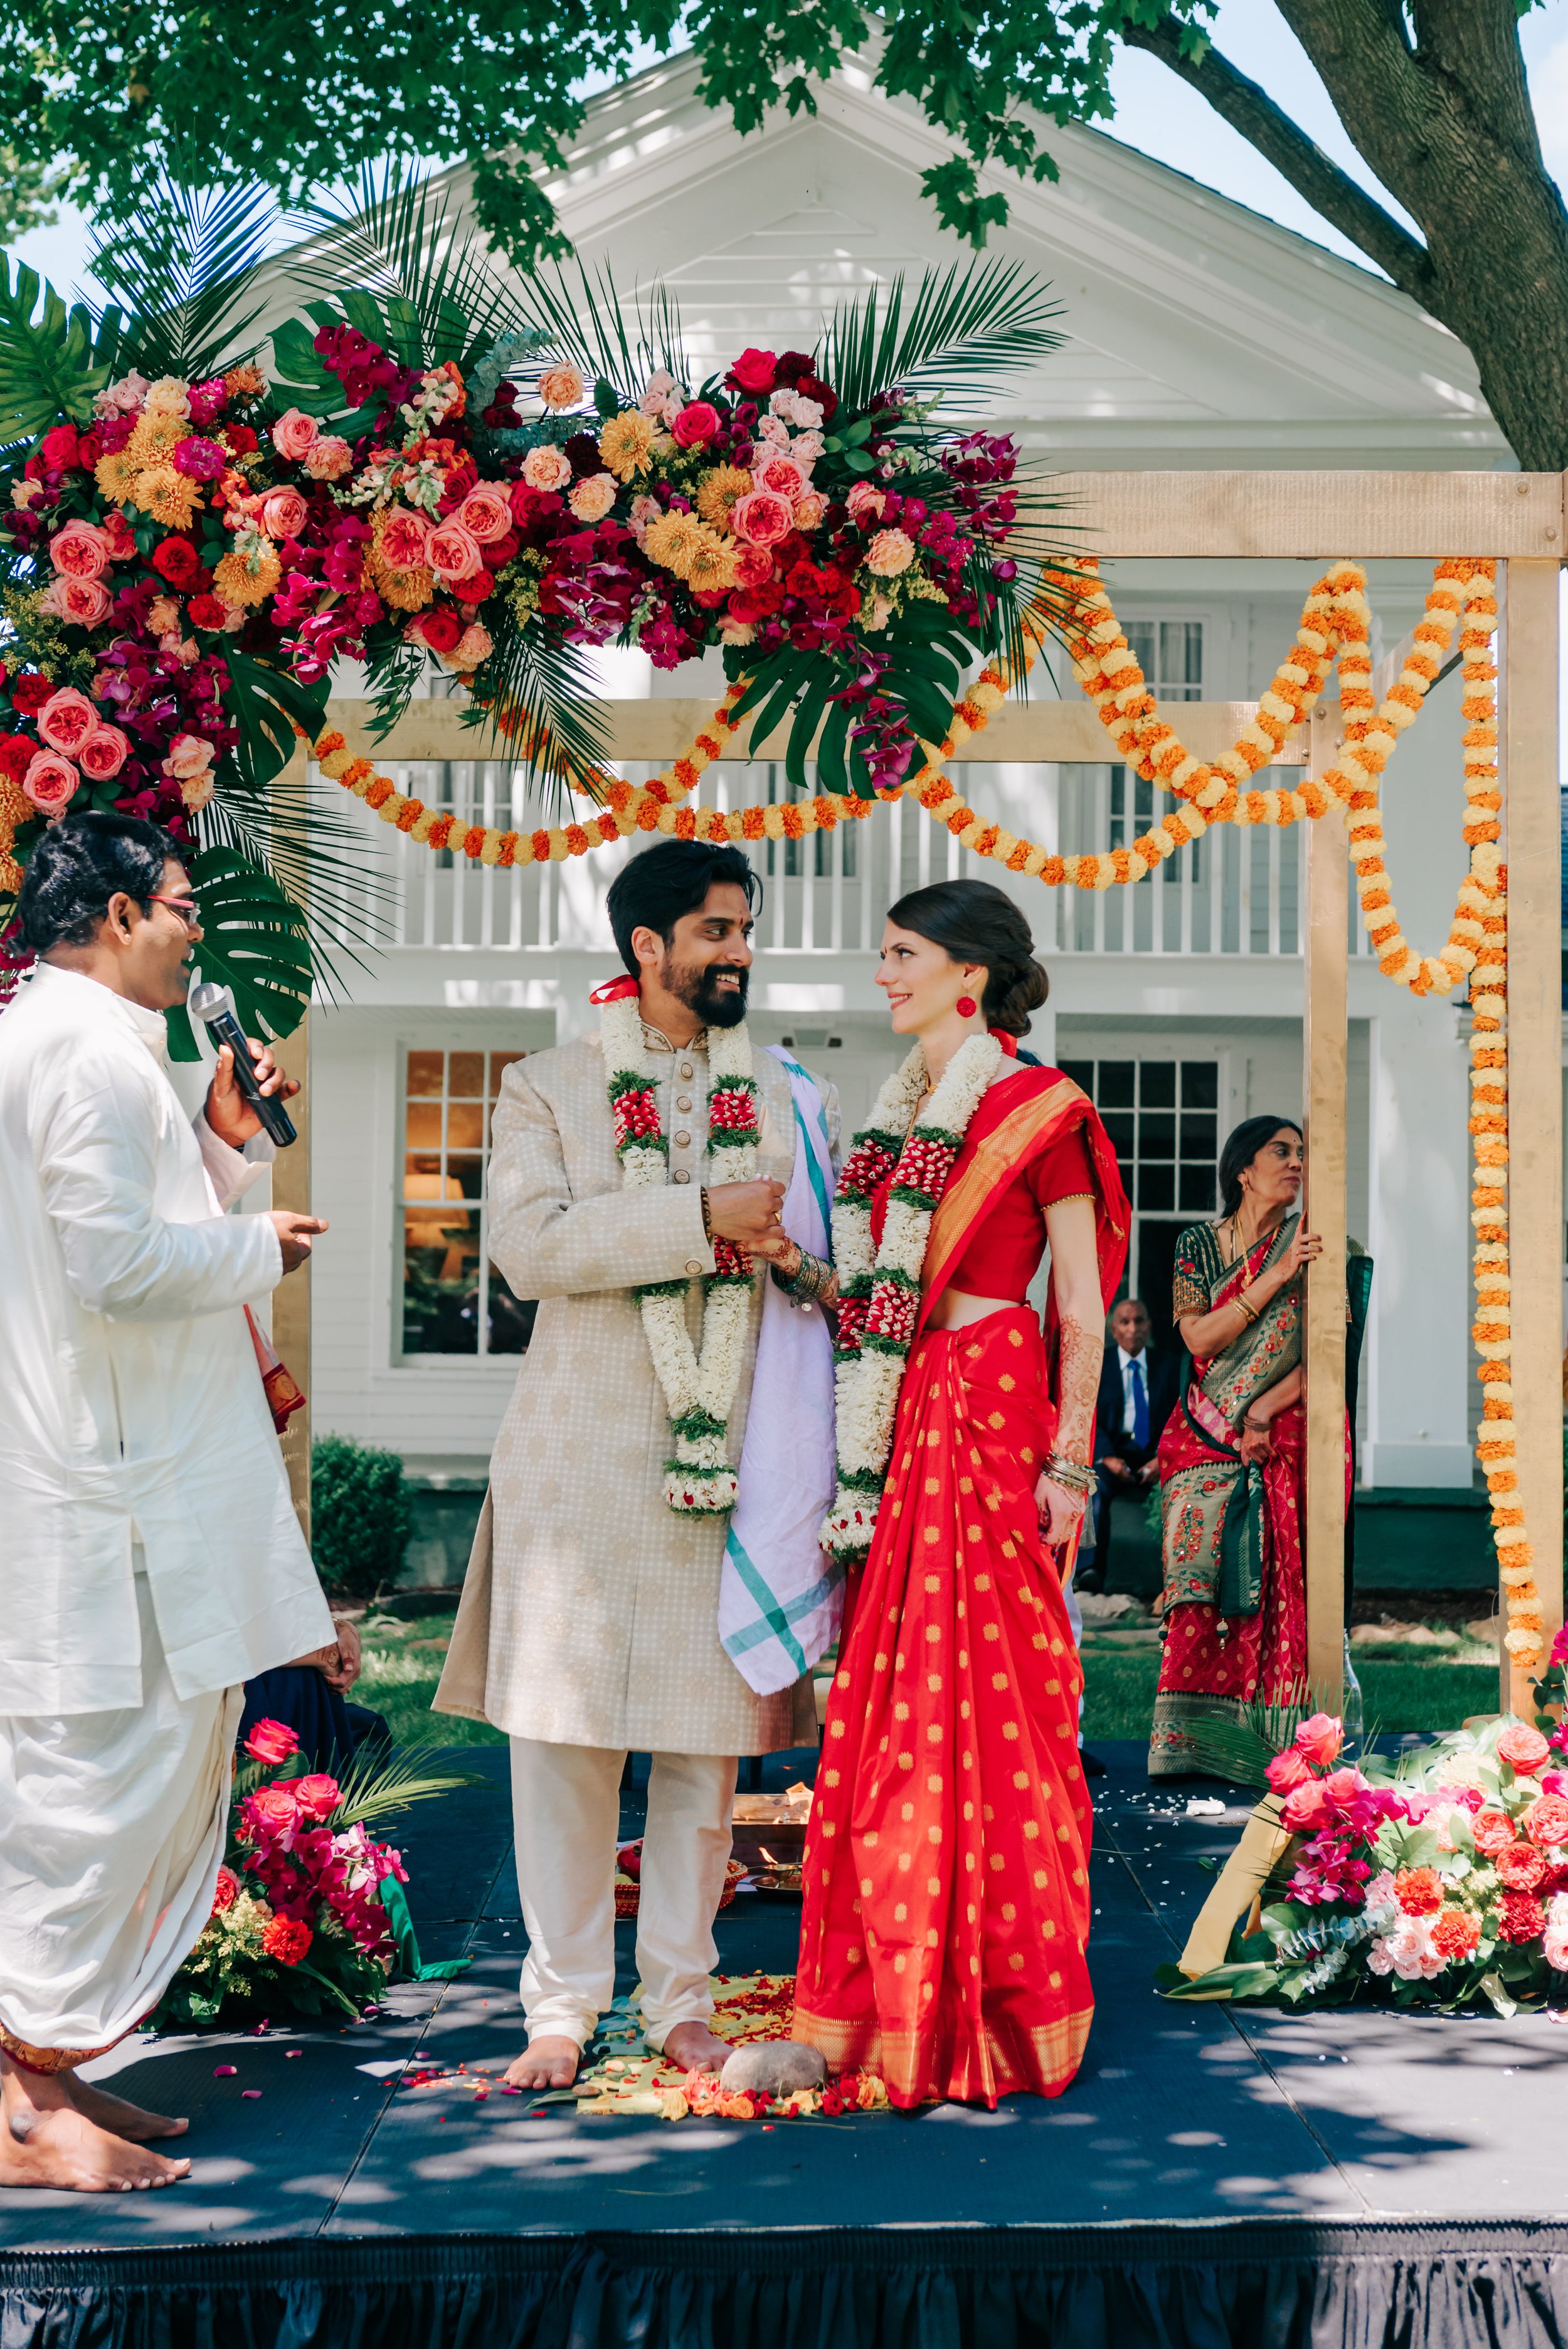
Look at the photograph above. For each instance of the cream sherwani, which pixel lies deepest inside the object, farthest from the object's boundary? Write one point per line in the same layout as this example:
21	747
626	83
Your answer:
151	1560
589	1619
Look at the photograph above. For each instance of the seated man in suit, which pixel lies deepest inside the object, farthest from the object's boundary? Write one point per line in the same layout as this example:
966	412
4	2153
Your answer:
1137	1395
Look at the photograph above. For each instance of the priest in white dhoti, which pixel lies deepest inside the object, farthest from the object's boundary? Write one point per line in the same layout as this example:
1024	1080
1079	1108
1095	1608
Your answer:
150	1560
646	1576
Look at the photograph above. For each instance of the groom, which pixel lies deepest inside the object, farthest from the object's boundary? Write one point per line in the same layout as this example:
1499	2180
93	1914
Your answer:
588	1627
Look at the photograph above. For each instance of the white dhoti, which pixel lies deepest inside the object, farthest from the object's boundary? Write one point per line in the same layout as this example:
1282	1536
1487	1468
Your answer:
566	1821
112	1829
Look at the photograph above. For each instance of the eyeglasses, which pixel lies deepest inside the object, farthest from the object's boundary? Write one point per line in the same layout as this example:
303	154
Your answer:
190	911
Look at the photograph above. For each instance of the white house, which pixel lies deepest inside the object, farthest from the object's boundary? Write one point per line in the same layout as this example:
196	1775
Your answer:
1198	336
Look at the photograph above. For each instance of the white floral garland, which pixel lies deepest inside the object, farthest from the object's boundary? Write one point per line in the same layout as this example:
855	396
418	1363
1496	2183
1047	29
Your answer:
699	1390
880	1289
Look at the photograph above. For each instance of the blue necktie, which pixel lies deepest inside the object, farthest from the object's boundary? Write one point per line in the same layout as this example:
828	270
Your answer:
1139	1404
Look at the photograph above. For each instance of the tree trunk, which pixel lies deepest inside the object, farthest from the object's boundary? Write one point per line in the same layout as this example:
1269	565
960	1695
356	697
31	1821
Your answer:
1446	124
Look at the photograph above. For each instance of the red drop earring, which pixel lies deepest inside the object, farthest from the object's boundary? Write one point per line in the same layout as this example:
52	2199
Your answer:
967	1006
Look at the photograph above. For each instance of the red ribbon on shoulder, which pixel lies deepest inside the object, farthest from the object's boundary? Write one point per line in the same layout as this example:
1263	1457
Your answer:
615	990
1009	1043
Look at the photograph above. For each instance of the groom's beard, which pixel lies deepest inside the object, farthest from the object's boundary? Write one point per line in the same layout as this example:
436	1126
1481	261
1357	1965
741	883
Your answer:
696	984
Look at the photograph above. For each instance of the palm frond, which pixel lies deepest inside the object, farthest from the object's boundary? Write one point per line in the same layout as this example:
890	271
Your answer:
316	851
541	701
392	236
179	257
54	361
373	1787
960	334
606	337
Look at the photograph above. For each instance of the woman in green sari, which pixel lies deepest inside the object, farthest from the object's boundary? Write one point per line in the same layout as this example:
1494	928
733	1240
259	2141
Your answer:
1232	1459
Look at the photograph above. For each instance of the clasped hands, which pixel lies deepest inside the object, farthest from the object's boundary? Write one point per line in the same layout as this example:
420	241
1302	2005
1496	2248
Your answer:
751	1216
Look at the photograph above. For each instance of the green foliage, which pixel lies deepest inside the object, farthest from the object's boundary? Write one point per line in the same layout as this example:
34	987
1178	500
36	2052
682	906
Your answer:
253	943
54	361
177	259
361	1515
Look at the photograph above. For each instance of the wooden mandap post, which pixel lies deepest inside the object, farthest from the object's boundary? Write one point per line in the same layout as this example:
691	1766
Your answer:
291	1298
1323	1034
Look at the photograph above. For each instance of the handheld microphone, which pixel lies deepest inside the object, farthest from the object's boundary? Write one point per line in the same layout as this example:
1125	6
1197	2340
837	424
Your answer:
214	1006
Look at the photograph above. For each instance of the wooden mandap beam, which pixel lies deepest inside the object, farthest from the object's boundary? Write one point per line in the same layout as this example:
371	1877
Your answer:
1313	516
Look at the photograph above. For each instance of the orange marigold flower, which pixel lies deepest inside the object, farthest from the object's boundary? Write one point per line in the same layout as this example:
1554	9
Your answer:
1455	1933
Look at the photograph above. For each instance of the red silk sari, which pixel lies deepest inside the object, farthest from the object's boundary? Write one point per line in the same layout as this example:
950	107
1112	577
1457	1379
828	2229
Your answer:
947	1884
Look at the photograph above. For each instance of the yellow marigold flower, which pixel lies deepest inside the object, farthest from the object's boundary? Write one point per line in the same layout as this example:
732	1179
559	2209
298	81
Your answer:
717	491
624	443
116	476
168	496
712	563
237	583
673	541
158	432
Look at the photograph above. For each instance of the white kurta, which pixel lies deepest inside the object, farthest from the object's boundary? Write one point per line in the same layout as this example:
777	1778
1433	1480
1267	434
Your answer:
131	1409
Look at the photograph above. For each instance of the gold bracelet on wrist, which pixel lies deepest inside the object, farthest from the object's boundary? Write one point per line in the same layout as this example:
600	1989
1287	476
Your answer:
707	1216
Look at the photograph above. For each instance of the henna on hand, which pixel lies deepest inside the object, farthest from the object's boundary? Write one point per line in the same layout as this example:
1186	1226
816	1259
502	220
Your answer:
1082	1352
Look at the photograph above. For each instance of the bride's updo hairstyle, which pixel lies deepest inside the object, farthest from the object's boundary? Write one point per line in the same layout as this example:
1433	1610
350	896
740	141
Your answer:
974	921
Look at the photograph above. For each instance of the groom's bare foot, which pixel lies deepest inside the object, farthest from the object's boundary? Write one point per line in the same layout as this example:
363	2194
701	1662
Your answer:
545	2062
130	2122
692	2047
45	2140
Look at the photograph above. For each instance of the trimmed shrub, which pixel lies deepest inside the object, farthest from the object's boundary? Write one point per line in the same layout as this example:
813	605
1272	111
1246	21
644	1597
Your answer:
361	1515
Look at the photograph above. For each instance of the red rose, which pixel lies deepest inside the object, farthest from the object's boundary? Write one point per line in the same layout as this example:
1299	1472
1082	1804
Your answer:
1524	1747
440	628
240	439
792	368
176	560
287	1940
272	1809
756	372
1455	1933
16	755
61	447
29	693
225	1891
1418	1891
317	1794
1523	1918
500	551
271	1741
1494	1833
477	586
205	612
697	423
1520	1868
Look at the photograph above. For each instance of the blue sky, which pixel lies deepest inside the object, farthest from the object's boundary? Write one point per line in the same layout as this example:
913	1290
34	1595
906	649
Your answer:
1159	115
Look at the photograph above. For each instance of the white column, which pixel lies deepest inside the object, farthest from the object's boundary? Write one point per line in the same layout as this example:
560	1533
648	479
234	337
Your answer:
1416	1373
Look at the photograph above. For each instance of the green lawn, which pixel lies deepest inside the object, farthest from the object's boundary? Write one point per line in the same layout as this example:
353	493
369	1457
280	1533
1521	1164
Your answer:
402	1664
1398	1693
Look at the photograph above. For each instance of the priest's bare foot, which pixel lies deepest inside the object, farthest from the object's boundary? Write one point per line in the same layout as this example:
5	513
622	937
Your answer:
130	2122
545	2062
45	2140
692	2047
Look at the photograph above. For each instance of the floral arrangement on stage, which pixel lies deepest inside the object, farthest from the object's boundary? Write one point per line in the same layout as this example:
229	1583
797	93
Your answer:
1437	1880
880	1287
309	1915
698	1387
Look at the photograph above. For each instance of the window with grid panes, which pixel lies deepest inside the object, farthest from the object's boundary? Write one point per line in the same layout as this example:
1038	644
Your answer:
819	847
1163	1116
454	1299
1170	655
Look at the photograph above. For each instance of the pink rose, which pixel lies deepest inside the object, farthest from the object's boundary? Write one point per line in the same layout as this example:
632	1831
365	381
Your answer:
50	782
272	1808
454	554
475	644
406	540
546	468
317	1795
486	513
294	433
328	459
65	720
865	499
1305	1808
83	602
889	553
283	514
1320	1739
1519	1745
693	424
189	755
197	790
761	517
103	754
1288	1770
271	1741
782	475
809	510
592	498
80	551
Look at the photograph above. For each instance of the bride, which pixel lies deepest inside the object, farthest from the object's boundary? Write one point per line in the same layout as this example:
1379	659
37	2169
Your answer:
946	1901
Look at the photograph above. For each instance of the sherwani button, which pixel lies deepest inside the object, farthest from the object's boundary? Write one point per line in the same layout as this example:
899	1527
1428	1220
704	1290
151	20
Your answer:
693	1265
685	1067
683	1175
683	1140
685	1101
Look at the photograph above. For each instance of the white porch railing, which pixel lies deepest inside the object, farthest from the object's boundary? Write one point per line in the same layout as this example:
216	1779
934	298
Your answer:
1233	892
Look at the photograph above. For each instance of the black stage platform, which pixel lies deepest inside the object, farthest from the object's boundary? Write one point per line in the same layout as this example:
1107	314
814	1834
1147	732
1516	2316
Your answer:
1212	2177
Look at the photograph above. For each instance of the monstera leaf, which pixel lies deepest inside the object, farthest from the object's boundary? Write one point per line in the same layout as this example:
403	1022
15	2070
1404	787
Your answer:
53	361
267	706
253	942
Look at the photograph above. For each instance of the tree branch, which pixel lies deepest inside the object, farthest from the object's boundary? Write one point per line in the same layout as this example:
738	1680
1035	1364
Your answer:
1312	174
